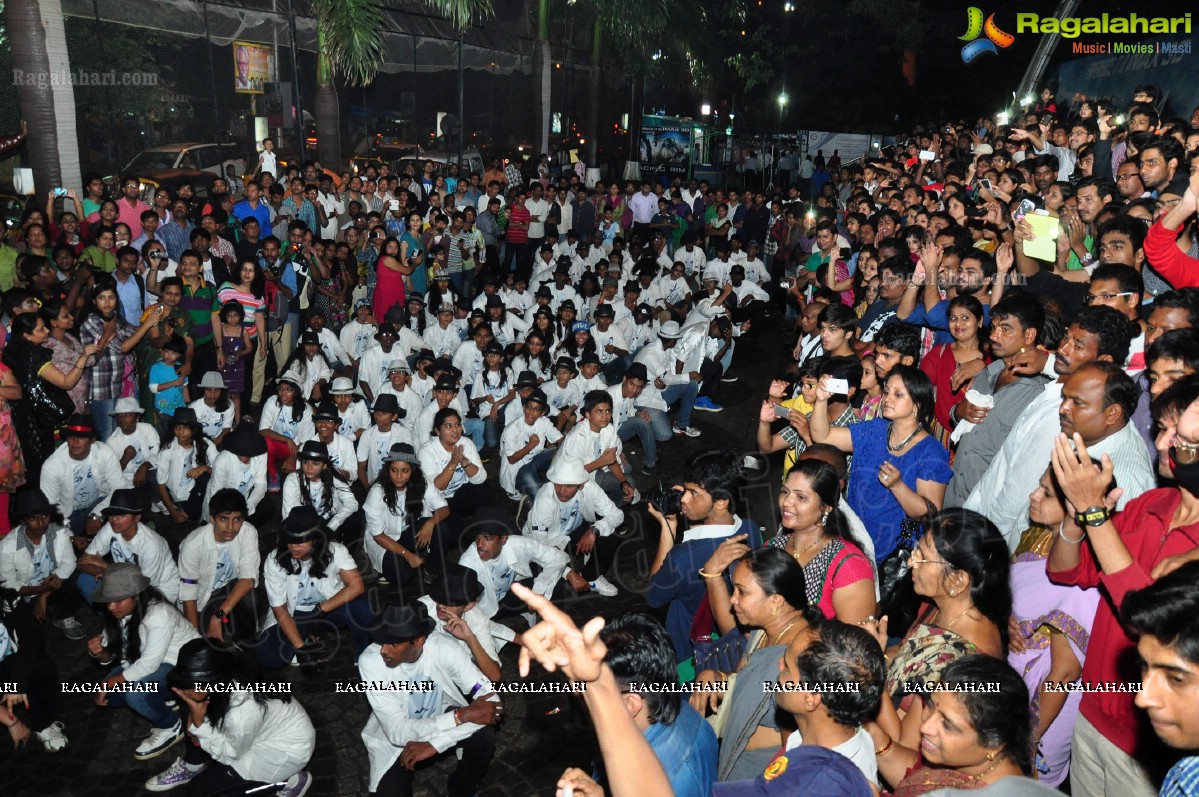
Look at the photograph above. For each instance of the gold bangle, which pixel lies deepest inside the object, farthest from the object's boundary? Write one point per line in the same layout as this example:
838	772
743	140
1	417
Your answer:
708	575
883	751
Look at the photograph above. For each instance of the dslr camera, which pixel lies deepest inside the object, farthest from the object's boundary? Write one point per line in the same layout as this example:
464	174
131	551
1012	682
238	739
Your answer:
666	499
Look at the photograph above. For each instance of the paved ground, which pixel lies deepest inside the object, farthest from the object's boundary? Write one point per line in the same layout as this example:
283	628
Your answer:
542	733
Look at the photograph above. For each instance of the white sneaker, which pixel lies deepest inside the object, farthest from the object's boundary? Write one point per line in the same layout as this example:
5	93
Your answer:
52	738
603	586
71	627
688	431
158	742
176	774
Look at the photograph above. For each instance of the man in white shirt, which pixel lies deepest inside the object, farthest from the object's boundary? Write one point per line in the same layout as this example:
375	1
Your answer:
539	210
219	569
453	601
630	421
572	510
454	707
134	443
124	538
595	441
644	206
500	556
667	383
37	560
610	344
80	477
528	445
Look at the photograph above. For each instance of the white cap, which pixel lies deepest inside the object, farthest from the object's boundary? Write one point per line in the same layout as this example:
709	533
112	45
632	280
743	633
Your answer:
567	470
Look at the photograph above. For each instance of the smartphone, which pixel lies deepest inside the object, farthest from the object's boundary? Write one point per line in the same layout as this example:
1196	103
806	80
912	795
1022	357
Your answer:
395	204
781	412
927	155
985	183
838	387
58	192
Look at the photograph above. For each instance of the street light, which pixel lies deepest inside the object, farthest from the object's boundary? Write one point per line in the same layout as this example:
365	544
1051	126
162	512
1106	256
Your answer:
705	109
782	100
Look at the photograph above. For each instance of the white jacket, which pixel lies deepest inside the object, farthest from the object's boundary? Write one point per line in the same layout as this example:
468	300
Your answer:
211	419
391	725
341	451
516	436
61	476
586	445
249	480
518	553
175	461
16	565
595	508
277	418
145	443
198	555
148	550
477	622
164	630
374	445
382	521
343	505
282	588
266	742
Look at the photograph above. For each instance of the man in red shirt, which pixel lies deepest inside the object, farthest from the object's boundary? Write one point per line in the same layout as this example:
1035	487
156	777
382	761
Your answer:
130	206
1115	752
1161	245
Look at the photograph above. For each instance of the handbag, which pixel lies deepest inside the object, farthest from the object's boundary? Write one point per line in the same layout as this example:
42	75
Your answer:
49	405
898	600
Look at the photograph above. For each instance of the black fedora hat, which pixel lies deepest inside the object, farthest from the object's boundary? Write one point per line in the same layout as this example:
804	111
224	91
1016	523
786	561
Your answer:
33	501
302	524
402	623
457	586
315	450
244	441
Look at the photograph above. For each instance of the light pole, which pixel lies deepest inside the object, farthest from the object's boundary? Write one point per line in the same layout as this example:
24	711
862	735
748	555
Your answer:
783	99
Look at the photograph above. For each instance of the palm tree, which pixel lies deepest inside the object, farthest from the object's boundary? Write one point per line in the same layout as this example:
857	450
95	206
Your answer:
31	39
541	74
350	44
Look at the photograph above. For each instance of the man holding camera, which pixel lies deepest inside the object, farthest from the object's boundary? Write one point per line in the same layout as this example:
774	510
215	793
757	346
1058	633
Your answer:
706	499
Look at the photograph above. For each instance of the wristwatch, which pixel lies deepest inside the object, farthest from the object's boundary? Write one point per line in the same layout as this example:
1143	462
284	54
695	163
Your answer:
1093	516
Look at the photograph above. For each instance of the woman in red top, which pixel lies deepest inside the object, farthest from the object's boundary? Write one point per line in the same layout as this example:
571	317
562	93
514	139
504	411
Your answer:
965	325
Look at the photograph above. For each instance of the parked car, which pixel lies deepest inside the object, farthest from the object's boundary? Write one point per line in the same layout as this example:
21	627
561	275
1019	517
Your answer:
172	164
472	161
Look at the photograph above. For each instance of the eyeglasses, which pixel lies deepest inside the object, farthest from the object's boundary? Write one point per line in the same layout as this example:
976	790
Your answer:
917	559
1090	298
1127	176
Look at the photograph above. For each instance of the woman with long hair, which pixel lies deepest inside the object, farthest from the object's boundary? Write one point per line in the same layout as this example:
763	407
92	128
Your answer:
247	287
185	467
285	420
242	740
402	511
44	404
965	315
535	357
899	469
451	463
143	634
317	484
110	376
66	348
311	581
769	595
413	251
972	733
392	274
309	363
960	569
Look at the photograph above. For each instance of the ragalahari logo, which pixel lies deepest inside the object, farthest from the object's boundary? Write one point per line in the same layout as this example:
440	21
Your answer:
995	40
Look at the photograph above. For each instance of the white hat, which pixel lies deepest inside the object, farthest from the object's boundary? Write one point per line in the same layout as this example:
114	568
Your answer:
567	470
984	149
293	376
127	404
342	385
399	365
670	330
212	379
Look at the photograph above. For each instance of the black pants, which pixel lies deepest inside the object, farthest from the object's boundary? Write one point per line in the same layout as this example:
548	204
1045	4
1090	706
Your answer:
710	373
38	679
510	605
601	556
477	751
242	627
463	505
216	779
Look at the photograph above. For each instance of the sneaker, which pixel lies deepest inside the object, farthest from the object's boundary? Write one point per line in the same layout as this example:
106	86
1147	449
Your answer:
688	431
159	508
650	470
728	379
297	785
707	405
176	774
158	742
52	738
602	586
71	627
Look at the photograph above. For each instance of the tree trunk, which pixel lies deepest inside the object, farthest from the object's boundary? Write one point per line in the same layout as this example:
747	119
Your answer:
70	174
35	96
593	92
541	74
328	121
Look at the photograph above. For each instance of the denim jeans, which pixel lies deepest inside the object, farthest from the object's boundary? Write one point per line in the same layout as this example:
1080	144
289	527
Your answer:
275	650
100	416
531	476
474	428
685	395
463	282
151	704
648	432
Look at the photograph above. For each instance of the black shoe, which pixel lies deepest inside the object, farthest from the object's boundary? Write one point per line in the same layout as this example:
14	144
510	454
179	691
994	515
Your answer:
650	470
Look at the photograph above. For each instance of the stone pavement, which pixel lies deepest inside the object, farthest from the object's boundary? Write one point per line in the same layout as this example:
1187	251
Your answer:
541	735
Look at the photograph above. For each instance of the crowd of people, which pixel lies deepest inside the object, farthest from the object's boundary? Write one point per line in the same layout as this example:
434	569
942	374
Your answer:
397	416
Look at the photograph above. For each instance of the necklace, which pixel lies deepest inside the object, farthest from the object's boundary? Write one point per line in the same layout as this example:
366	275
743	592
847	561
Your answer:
906	440
978	778
796	554
780	634
959	617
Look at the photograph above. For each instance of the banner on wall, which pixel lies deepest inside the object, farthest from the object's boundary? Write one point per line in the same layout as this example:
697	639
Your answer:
665	149
253	65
